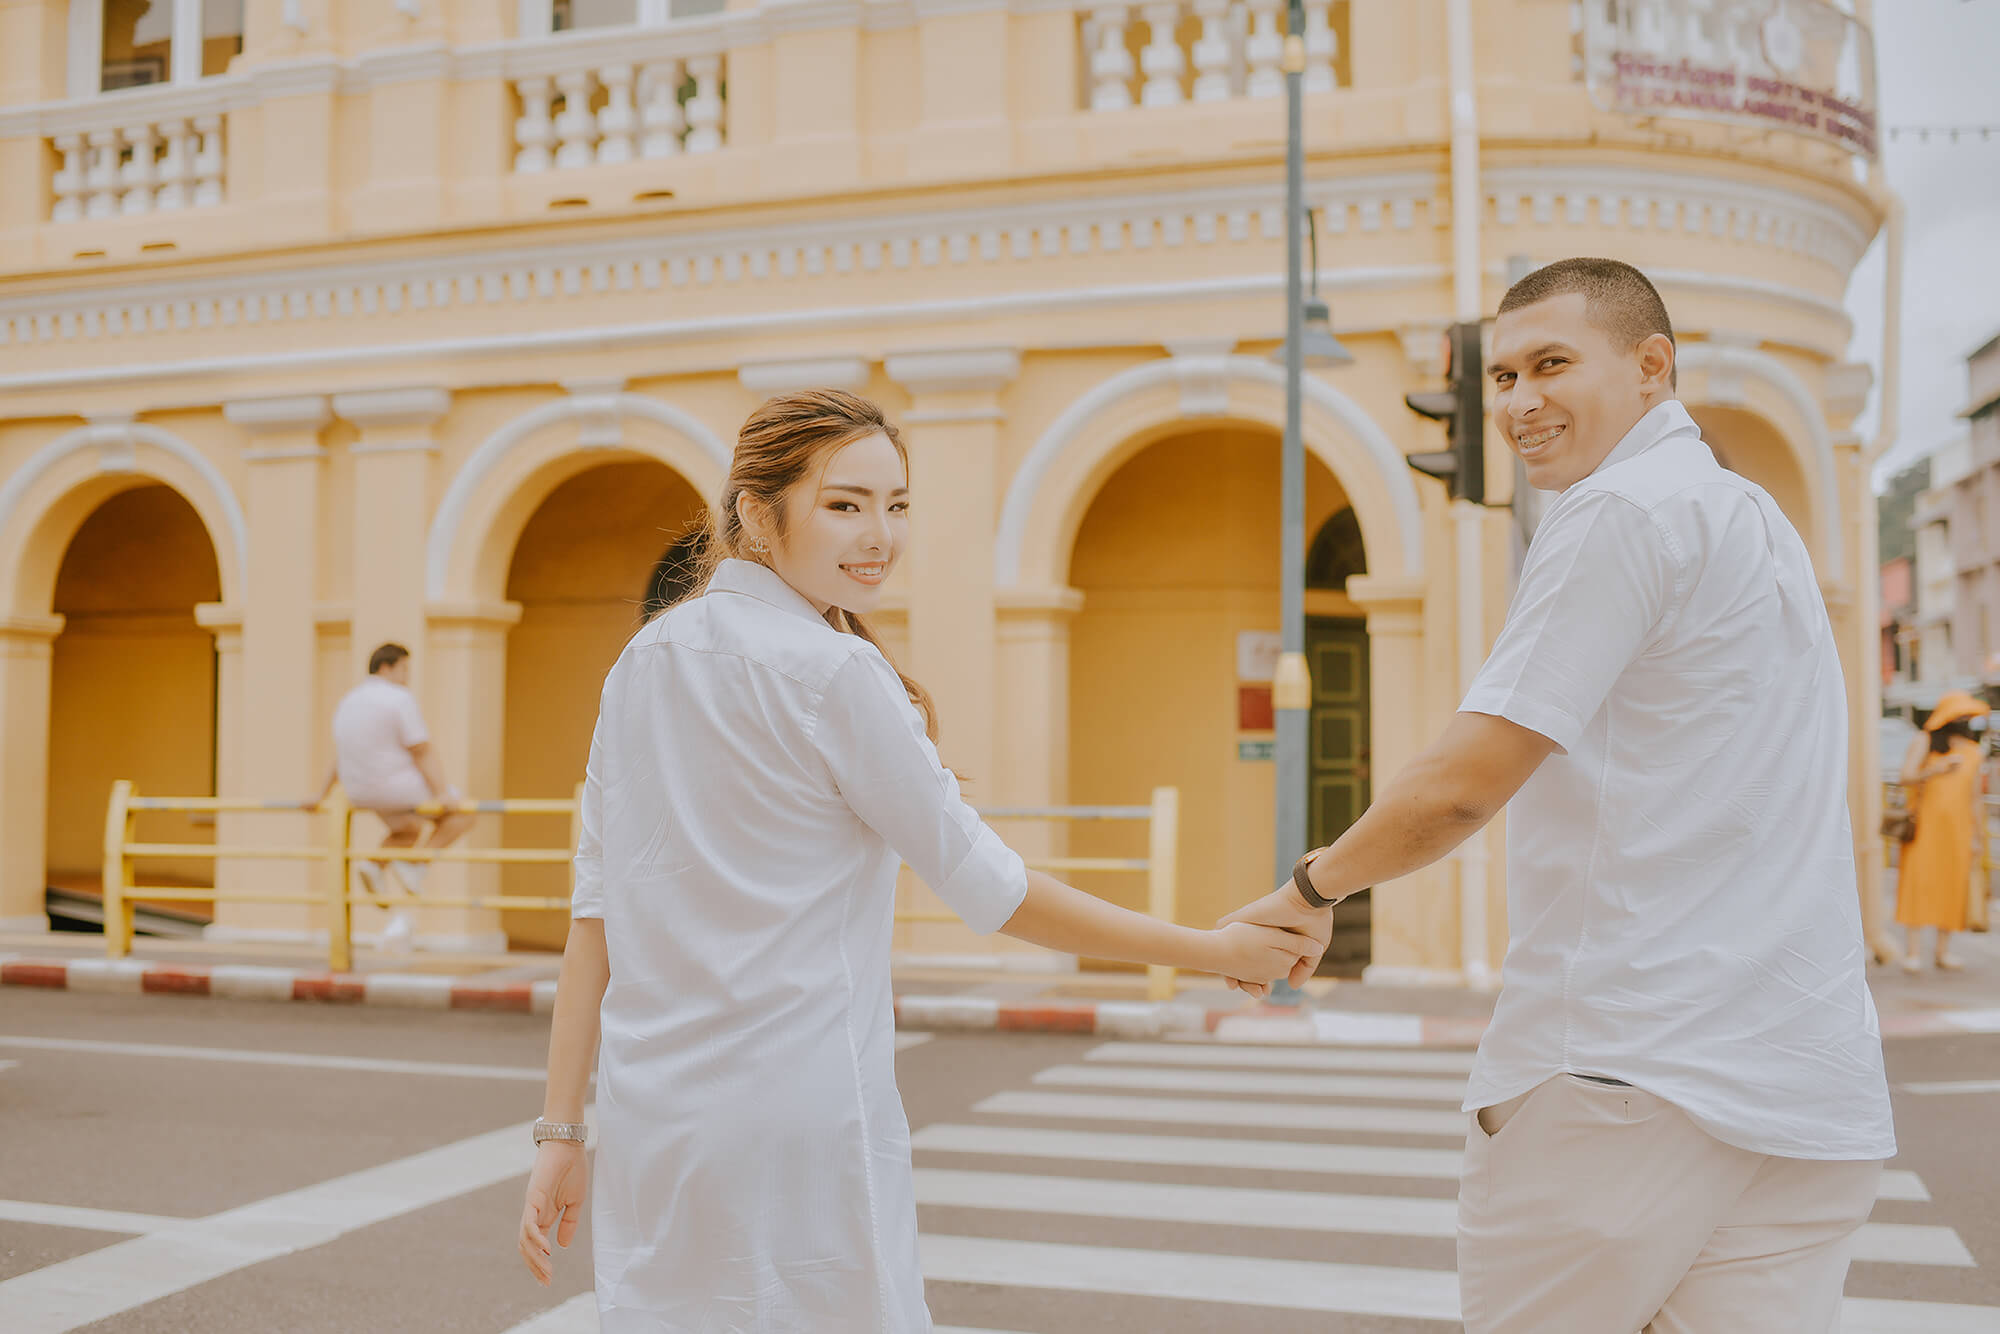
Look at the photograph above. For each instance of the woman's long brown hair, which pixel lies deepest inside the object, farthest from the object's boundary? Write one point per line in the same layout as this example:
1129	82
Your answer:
779	448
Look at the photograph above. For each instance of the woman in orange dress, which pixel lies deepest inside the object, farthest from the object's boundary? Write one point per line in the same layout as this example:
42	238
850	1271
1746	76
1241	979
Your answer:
1941	774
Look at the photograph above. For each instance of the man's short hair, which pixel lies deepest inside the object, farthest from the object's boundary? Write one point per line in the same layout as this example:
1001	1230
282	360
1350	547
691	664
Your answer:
386	656
1617	298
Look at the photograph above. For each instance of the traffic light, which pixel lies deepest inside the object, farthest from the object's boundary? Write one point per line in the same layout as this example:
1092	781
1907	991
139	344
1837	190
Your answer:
1462	409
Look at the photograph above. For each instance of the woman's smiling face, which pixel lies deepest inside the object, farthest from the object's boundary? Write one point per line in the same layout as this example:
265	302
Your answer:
846	526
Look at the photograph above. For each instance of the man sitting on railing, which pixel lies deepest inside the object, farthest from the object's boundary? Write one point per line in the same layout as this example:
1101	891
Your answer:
384	759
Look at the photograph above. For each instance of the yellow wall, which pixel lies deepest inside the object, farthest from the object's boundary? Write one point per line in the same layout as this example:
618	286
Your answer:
1177	554
580	572
133	692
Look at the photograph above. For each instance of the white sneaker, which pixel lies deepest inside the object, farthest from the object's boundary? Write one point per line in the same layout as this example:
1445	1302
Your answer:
396	936
411	874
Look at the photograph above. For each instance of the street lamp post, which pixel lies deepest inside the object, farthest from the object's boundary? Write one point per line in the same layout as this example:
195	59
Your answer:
1291	690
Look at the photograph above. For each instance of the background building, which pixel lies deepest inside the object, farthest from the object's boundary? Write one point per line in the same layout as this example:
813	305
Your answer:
378	320
1896	548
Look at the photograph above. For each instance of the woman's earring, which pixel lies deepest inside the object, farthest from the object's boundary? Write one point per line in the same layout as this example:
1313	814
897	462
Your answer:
760	546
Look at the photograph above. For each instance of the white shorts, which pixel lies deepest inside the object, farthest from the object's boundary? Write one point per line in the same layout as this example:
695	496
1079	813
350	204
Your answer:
395	794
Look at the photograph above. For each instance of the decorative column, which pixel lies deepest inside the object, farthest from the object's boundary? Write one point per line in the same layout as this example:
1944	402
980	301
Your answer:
280	726
465	699
1414	920
953	430
26	651
392	470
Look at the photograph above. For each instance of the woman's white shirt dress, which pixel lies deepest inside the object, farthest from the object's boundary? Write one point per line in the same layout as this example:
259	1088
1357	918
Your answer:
755	778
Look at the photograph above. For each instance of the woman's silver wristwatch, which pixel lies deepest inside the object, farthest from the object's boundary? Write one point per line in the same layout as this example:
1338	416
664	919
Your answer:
574	1132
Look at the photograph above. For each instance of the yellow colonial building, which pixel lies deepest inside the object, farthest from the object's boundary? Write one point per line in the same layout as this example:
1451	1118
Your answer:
331	322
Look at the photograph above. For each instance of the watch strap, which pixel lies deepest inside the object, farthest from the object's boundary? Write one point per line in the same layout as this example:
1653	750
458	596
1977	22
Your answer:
575	1132
1313	898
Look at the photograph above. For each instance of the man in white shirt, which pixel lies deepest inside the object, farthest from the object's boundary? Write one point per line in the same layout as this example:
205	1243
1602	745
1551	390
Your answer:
384	759
1679	1110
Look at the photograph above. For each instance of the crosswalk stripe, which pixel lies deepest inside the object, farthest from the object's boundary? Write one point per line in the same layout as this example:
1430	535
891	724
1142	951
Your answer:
532	1074
1317	1211
1313	1285
1303	1285
1218	1112
905	1041
1227	1206
1275	1155
1255	1081
1877	1315
1353	1059
578	1315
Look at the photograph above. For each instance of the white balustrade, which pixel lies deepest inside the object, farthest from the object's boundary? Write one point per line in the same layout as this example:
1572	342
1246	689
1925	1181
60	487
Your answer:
131	154
1200	51
608	98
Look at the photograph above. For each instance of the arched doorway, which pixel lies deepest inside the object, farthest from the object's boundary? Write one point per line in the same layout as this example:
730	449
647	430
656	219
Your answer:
132	683
1747	443
582	572
1177	560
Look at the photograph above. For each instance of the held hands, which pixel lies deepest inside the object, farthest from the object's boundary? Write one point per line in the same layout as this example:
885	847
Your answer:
1252	953
556	1190
1309	929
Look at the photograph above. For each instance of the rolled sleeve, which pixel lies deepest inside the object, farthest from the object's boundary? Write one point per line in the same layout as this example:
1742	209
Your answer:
410	720
1598	584
586	898
872	741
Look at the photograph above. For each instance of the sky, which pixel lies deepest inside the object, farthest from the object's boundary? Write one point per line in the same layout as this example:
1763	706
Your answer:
1937	62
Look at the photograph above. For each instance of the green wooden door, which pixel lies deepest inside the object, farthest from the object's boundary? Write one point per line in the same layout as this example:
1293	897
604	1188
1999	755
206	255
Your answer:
1337	771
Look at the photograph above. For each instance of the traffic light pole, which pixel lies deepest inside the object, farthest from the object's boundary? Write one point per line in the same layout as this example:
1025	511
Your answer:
1291	692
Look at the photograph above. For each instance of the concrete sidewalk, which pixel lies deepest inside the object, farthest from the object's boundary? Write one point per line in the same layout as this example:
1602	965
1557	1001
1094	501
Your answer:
1109	1004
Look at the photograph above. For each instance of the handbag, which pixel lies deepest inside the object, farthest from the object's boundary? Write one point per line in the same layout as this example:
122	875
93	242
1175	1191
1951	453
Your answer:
1900	826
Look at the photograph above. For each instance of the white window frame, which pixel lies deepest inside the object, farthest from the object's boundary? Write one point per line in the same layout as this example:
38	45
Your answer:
86	45
537	18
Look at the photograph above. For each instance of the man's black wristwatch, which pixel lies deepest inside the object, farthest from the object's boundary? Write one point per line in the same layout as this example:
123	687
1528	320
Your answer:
1304	882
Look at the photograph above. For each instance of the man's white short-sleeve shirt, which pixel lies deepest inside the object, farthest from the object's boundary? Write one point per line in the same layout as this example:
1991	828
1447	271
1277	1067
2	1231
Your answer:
1680	876
374	726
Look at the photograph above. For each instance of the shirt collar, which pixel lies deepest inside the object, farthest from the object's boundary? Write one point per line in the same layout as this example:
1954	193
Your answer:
763	583
1661	421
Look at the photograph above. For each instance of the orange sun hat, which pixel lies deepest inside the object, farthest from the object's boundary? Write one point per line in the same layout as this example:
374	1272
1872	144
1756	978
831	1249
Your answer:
1953	706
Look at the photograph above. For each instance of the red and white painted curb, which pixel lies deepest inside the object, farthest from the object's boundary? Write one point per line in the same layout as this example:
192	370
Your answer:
1186	1019
257	982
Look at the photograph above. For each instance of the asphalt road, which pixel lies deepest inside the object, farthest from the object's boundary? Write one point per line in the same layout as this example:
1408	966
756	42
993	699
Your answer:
173	1165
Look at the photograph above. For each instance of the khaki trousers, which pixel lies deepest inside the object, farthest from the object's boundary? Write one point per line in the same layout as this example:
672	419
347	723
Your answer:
1588	1208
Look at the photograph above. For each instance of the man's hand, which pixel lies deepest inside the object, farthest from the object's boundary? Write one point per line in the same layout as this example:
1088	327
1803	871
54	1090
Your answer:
1284	909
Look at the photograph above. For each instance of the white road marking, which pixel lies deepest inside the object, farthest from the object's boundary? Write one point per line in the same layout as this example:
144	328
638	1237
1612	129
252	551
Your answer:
578	1315
87	1220
1875	1315
307	1060
1302	1285
1218	1112
1256	1081
1317	1211
1310	1285
1273	1155
1226	1206
95	1286
1954	1086
905	1041
1284	1058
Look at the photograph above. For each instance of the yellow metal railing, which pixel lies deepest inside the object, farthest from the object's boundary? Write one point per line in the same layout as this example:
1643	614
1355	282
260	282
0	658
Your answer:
336	854
1160	864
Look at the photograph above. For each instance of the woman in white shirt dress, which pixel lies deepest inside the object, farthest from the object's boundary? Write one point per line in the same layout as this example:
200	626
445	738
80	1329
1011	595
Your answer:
758	771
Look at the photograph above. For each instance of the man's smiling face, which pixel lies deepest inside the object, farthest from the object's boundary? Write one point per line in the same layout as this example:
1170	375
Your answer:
1564	391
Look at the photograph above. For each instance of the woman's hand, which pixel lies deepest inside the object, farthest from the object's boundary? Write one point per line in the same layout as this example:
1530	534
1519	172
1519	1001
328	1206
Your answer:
1250	953
556	1190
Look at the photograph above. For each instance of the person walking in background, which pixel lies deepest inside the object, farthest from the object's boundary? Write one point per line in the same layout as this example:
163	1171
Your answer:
1678	1115
757	772
384	760
1941	774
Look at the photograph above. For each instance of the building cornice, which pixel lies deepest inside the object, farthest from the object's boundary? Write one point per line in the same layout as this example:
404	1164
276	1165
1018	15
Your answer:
303	412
